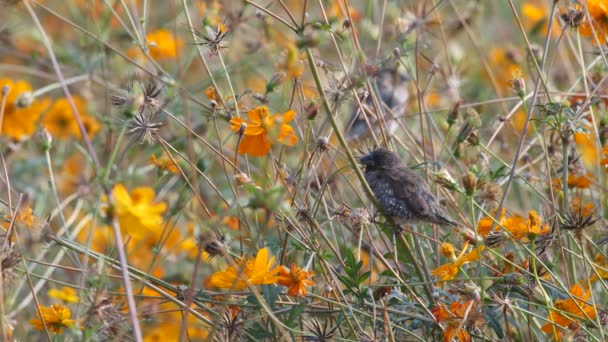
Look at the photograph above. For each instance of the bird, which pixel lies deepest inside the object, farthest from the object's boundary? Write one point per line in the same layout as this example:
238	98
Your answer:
392	95
403	194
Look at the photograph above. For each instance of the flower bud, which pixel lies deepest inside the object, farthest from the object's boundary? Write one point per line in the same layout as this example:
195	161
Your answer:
469	181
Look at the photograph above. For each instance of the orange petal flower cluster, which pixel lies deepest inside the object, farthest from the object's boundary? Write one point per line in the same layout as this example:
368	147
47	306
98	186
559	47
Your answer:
260	270
263	129
518	226
255	271
570	315
453	317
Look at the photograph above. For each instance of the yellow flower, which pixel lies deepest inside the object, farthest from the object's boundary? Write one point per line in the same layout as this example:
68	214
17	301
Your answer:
66	294
61	123
255	271
572	307
25	217
261	131
295	279
137	212
162	44
56	317
448	271
537	18
20	112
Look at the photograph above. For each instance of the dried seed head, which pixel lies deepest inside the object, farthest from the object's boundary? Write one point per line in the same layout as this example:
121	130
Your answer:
579	216
491	194
323	144
574	17
214	246
494	239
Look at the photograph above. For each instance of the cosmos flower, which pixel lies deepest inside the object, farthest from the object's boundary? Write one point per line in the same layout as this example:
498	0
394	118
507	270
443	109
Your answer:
137	212
263	129
162	45
255	271
598	10
570	315
453	316
56	317
295	279
448	271
21	111
61	123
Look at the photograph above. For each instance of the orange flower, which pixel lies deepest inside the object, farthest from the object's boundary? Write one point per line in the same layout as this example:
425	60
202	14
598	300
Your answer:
448	271
291	64
598	10
580	181
519	227
212	94
588	147
295	279
255	271
162	44
21	111
56	317
25	217
336	11
505	65
571	314
484	225
454	316
522	228
137	212
164	163
61	123
260	131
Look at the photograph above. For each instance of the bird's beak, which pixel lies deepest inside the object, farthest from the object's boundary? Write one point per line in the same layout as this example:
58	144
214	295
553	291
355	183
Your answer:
366	160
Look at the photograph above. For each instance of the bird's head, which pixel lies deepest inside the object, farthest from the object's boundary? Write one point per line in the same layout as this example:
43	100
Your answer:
379	159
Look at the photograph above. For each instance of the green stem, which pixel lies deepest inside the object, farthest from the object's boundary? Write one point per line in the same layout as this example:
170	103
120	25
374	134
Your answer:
105	176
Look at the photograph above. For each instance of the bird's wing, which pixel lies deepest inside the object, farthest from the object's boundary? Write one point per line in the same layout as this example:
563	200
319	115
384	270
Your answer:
409	187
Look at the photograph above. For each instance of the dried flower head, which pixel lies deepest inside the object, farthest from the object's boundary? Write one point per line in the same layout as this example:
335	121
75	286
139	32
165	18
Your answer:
321	332
579	216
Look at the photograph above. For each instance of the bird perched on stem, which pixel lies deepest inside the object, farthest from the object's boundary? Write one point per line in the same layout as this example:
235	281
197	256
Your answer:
392	99
403	194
